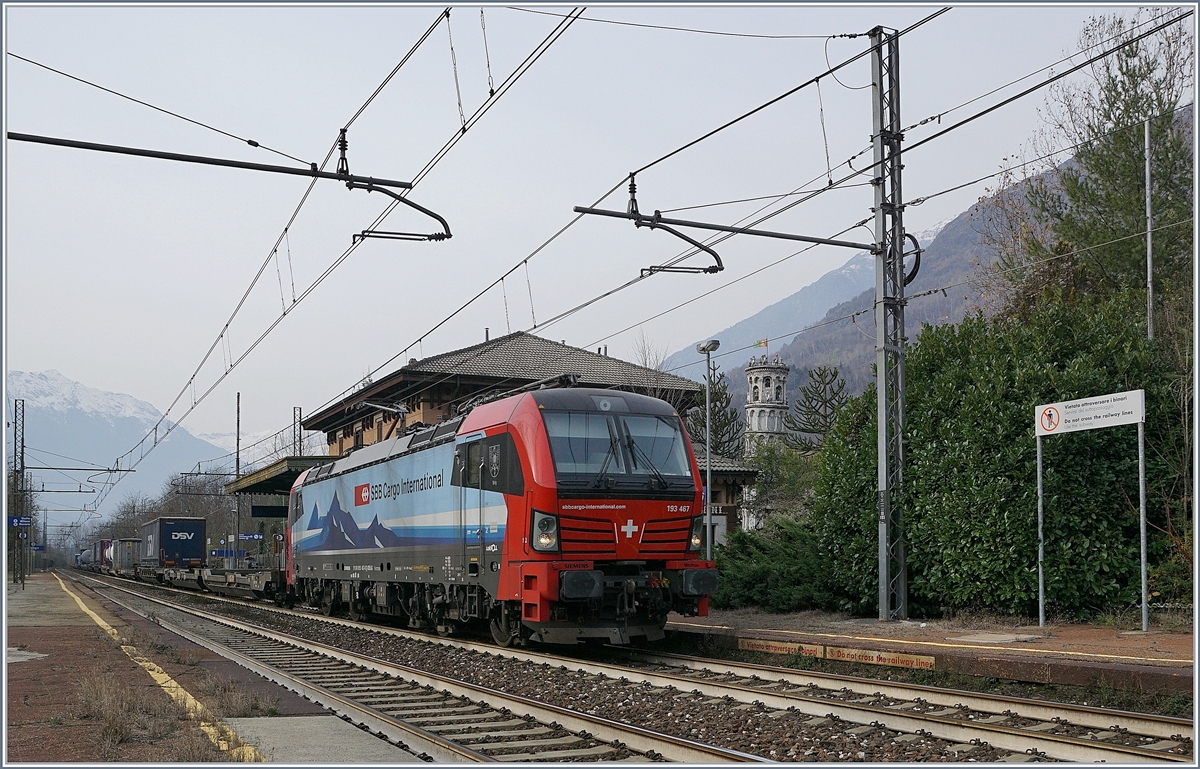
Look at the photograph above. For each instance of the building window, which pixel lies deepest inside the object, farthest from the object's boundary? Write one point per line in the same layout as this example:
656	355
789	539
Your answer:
779	392
756	393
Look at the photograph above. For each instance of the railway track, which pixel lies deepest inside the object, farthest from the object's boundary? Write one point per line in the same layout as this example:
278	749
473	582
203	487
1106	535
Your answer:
1060	731
434	717
834	709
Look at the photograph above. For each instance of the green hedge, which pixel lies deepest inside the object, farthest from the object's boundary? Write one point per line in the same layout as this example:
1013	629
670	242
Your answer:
970	491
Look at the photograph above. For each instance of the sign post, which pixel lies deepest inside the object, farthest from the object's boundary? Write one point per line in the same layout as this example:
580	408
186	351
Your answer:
1124	408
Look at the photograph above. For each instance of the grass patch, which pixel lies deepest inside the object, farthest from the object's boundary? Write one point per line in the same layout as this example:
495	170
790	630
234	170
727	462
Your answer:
126	712
194	747
226	698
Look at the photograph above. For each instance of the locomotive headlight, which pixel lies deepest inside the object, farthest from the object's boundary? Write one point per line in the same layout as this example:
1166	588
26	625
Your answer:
545	532
696	538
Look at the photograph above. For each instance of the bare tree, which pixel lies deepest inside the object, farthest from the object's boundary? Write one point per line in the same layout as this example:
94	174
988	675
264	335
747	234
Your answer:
654	381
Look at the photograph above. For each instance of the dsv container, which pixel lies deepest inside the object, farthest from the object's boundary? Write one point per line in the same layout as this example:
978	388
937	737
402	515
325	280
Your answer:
174	543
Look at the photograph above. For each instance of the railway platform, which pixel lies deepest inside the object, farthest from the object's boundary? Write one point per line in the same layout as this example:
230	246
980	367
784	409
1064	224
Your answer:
60	632
1159	662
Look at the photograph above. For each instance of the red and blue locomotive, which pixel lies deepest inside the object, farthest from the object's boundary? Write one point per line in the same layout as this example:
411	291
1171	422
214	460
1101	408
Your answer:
556	515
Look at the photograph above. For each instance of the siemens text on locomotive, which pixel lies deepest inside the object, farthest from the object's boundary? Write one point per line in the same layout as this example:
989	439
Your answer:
556	515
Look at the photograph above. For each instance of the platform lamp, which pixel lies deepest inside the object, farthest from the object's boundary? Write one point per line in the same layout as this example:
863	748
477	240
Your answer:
708	348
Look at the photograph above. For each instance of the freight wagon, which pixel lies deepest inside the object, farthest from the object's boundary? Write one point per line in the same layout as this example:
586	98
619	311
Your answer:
173	551
126	556
101	555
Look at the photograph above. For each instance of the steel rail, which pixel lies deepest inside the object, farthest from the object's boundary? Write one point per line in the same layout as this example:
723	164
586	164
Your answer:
415	739
637	738
937	725
1079	715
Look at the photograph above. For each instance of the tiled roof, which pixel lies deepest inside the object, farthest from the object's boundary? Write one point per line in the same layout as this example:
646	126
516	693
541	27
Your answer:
509	362
524	356
721	464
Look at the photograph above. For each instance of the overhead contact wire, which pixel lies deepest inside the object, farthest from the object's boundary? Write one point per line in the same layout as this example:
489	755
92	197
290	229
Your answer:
785	94
250	142
235	362
291	220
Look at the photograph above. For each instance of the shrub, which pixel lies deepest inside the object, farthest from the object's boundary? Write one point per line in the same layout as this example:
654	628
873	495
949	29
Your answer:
777	569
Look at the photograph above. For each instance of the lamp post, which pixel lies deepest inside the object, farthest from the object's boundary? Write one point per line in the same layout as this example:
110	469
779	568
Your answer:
708	348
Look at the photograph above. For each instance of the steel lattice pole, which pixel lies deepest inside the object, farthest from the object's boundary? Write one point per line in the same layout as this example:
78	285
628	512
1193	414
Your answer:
889	321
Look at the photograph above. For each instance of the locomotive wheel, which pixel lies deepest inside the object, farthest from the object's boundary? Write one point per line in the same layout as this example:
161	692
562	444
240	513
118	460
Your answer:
327	606
357	612
502	630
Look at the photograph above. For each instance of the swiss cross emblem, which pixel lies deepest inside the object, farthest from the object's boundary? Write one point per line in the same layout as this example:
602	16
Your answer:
629	529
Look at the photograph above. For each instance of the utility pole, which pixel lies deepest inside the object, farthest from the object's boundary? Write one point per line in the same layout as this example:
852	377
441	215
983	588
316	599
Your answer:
890	280
889	320
237	473
1149	246
19	480
297	437
708	348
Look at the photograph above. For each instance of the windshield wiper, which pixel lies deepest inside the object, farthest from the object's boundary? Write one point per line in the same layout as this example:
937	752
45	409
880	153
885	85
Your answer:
634	450
601	478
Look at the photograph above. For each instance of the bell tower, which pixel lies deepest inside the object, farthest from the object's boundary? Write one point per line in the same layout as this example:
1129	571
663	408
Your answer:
766	400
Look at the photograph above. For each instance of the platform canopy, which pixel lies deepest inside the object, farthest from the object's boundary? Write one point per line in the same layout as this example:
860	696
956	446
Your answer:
275	478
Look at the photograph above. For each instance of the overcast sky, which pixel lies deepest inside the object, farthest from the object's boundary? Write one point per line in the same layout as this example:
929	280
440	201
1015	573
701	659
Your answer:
121	272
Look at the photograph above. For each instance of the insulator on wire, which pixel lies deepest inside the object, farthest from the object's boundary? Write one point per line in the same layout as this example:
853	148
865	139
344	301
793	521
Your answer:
343	166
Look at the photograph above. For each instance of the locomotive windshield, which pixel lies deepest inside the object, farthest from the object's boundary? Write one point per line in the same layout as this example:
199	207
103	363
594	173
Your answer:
609	452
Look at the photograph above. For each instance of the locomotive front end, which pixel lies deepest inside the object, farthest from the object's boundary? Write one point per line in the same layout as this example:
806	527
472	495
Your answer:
617	540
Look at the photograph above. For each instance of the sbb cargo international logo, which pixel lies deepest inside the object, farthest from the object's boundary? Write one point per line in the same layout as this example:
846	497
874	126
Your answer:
362	495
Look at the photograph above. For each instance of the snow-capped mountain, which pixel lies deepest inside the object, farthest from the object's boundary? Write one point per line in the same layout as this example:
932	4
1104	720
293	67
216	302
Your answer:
68	424
51	391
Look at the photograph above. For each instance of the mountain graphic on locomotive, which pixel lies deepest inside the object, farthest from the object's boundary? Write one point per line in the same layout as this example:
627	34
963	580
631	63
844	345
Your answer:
554	516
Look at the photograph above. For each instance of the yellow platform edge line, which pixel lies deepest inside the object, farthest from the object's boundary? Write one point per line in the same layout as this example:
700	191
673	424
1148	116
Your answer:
805	634
220	734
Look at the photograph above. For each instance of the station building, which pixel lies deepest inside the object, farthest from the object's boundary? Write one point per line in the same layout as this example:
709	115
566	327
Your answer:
435	389
431	390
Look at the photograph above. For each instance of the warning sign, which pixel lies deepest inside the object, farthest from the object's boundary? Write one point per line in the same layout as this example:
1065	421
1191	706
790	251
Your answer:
872	657
780	647
1125	408
867	656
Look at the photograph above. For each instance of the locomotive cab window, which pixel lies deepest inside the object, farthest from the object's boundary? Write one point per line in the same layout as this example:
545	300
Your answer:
491	464
613	452
468	468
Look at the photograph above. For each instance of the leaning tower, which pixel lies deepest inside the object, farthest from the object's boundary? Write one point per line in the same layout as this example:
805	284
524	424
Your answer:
766	400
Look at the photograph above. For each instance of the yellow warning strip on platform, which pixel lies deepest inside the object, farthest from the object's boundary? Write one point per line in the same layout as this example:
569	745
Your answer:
805	633
220	734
